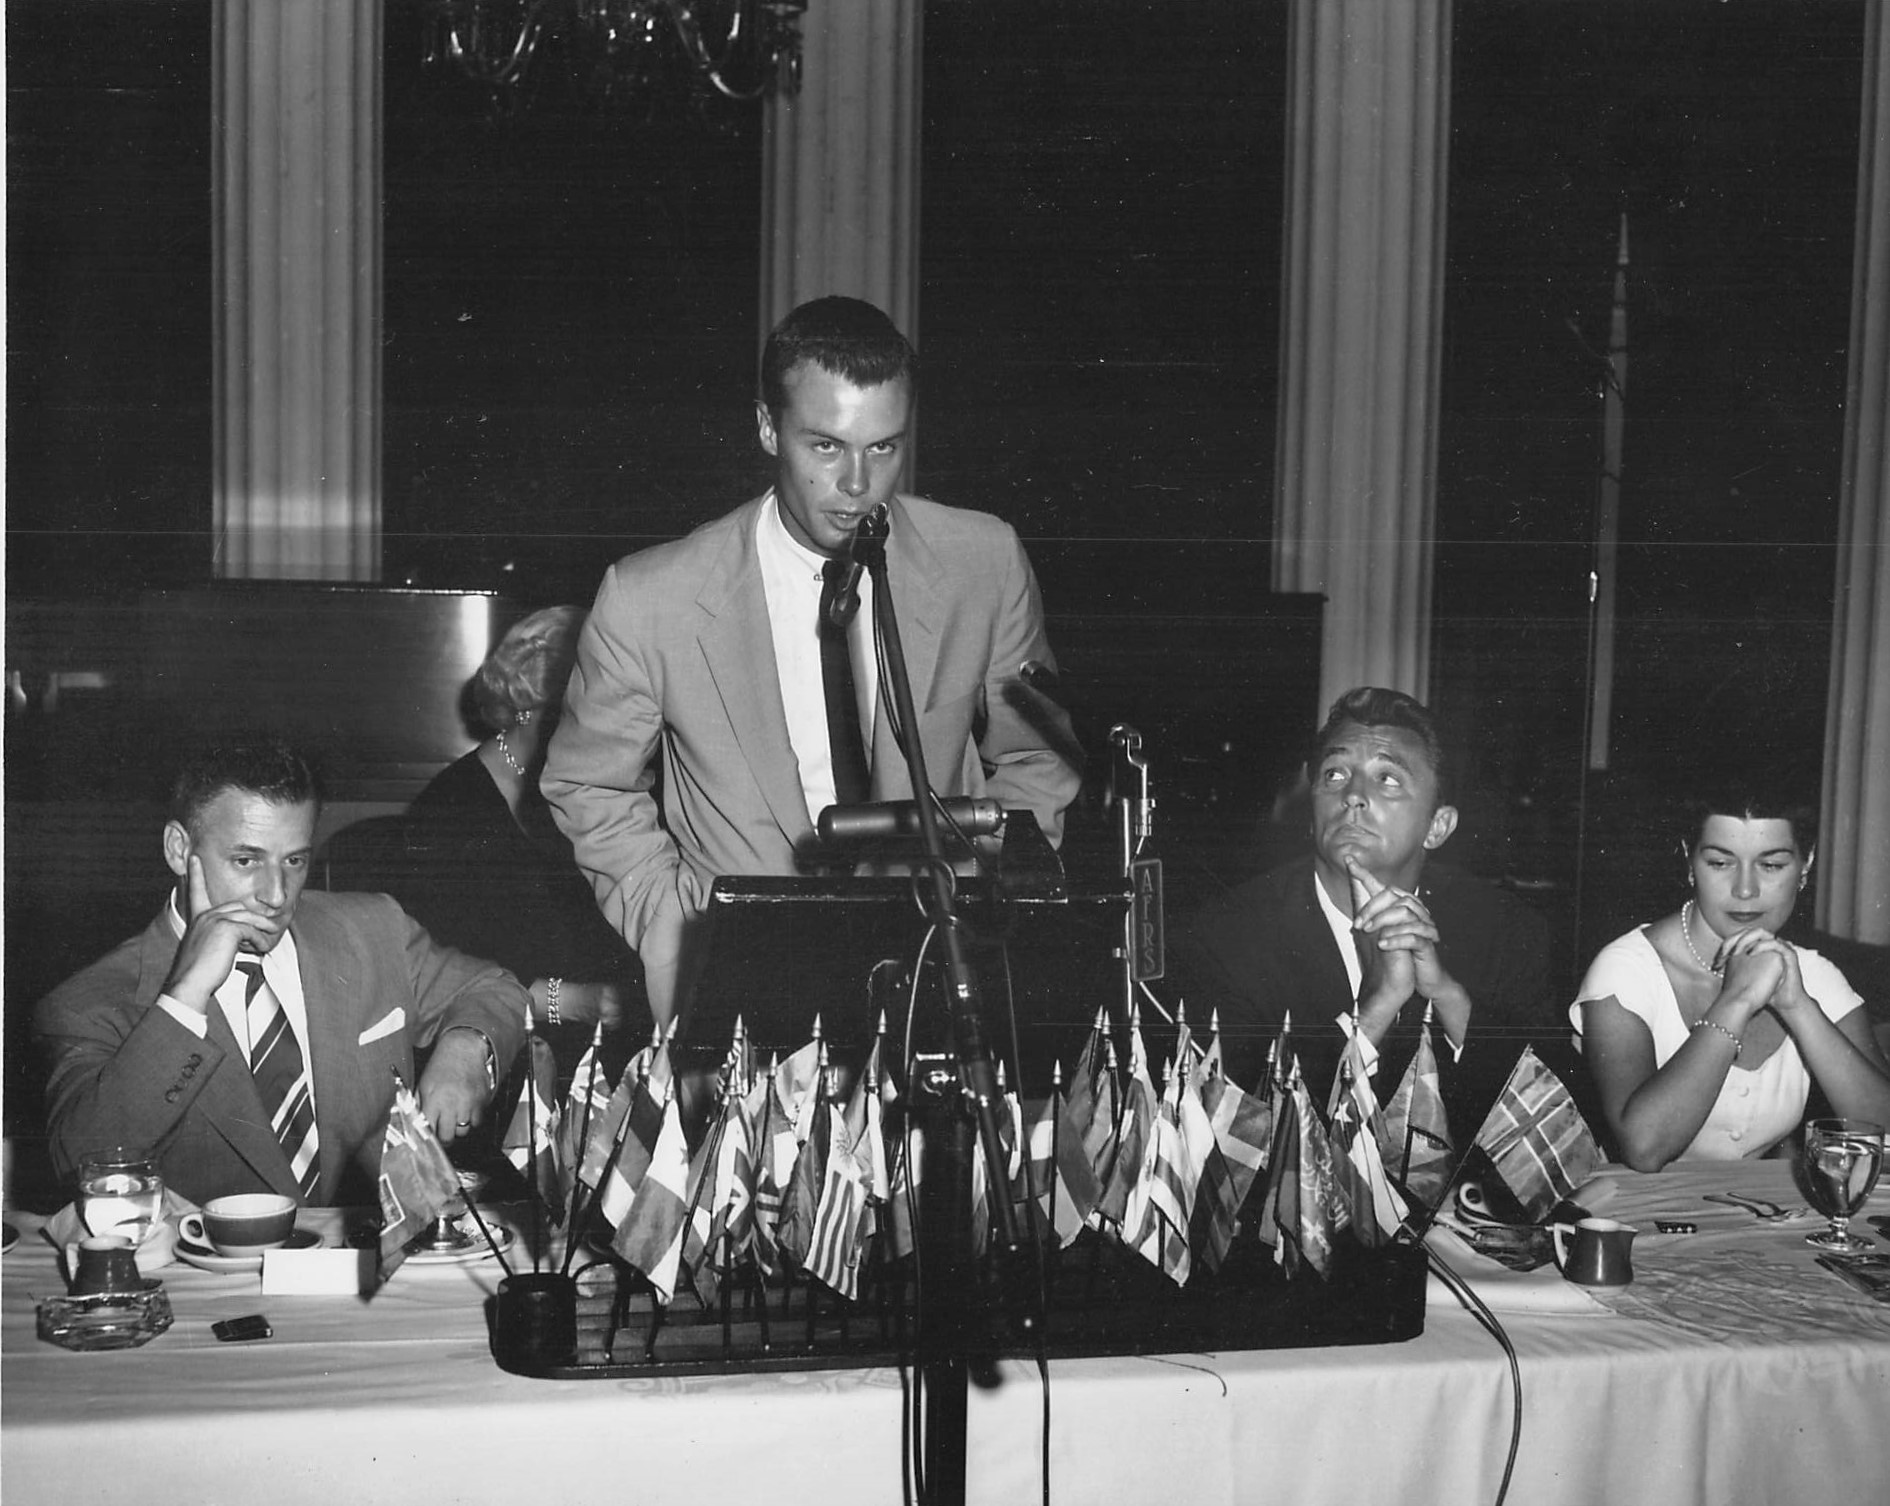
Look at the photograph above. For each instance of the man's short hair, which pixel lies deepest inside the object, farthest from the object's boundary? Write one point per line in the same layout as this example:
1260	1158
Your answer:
1374	706
846	337
259	763
529	668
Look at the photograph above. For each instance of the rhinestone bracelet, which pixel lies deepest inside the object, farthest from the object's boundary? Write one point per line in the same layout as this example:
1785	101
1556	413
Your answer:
552	1017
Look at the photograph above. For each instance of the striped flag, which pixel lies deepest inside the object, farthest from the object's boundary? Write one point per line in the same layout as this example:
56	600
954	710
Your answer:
1168	1182
1377	1212
1416	1142
642	1127
835	1240
1536	1138
650	1236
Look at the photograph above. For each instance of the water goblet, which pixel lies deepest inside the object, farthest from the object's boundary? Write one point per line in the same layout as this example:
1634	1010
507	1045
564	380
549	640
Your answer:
120	1193
1842	1158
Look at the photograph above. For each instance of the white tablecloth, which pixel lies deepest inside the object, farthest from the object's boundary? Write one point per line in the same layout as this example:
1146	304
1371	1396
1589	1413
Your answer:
1637	1398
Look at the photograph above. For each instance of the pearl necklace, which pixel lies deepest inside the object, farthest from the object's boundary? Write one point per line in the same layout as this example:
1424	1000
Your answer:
519	769
1686	931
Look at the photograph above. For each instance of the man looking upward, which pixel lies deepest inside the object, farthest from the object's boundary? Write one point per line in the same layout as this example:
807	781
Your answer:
717	656
1366	925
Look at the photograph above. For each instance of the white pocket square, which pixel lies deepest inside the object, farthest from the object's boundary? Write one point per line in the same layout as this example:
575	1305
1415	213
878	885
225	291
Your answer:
387	1024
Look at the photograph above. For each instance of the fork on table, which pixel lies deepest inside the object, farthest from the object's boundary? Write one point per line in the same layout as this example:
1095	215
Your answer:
1758	1207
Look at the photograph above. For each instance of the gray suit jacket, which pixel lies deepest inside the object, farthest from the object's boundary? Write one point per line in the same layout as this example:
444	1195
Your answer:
678	659
125	1073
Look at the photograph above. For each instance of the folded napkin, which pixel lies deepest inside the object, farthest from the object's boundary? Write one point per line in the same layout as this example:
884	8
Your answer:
65	1229
1542	1290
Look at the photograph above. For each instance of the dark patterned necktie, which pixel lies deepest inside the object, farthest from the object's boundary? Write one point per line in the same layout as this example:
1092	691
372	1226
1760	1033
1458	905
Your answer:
275	1061
851	784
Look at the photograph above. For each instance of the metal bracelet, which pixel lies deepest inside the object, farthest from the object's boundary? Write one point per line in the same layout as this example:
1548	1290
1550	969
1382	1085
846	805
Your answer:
552	985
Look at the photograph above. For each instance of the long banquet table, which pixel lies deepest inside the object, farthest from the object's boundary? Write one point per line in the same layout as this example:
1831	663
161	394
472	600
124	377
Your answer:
1734	1369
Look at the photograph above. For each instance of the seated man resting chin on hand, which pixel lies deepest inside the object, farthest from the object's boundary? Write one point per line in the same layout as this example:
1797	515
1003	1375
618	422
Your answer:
250	1035
1364	928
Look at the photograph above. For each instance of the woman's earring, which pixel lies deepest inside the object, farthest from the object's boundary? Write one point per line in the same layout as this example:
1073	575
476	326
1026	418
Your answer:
523	717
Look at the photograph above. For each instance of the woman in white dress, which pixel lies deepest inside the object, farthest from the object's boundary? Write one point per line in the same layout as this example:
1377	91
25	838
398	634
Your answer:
1703	1030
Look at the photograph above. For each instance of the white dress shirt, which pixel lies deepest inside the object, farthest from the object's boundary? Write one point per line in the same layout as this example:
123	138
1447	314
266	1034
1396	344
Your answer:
281	971
791	581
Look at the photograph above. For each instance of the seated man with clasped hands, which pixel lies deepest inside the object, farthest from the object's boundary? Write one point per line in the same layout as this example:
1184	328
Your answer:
251	1034
1367	929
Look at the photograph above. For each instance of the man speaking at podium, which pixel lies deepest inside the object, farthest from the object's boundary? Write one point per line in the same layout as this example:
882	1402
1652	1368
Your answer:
737	655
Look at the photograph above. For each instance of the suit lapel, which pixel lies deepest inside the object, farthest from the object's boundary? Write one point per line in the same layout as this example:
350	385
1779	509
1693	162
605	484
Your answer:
333	988
917	579
1330	984
737	644
228	1102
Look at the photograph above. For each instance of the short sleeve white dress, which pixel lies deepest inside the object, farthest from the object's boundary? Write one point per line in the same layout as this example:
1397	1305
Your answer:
1756	1108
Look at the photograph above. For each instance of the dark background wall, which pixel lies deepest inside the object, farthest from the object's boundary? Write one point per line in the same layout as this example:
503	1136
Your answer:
571	324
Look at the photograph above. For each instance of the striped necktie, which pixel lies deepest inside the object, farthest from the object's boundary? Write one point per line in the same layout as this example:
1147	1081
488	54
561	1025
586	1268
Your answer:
275	1061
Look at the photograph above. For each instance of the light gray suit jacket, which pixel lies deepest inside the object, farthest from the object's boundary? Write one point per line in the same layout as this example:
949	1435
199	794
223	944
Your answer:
677	658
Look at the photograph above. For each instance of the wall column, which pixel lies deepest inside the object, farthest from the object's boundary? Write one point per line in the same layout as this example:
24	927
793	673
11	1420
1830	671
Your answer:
297	143
1355	487
840	165
1854	855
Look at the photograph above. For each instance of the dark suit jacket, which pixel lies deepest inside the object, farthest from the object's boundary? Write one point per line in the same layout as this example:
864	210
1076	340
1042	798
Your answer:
1265	948
126	1073
677	658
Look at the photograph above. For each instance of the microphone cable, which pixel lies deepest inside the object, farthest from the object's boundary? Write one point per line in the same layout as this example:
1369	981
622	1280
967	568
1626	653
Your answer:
1480	1310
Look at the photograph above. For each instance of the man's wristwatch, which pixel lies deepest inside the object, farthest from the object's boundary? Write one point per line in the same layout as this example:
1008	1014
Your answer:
492	1056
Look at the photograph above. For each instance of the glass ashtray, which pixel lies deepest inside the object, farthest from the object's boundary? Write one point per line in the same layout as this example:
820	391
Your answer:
106	1320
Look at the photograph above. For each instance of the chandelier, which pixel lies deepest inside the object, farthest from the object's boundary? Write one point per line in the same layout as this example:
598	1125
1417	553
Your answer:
745	48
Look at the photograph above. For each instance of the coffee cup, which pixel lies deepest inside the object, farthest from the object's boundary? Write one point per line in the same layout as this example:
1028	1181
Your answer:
242	1224
1594	1251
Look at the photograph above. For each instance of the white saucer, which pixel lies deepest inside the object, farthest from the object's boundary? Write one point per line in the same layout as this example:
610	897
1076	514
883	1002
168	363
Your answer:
206	1259
477	1250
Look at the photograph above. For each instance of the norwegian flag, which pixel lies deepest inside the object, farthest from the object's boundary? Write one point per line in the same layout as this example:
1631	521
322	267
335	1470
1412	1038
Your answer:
1536	1138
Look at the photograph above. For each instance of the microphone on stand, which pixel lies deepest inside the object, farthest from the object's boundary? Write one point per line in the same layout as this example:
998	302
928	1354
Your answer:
974	816
868	539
